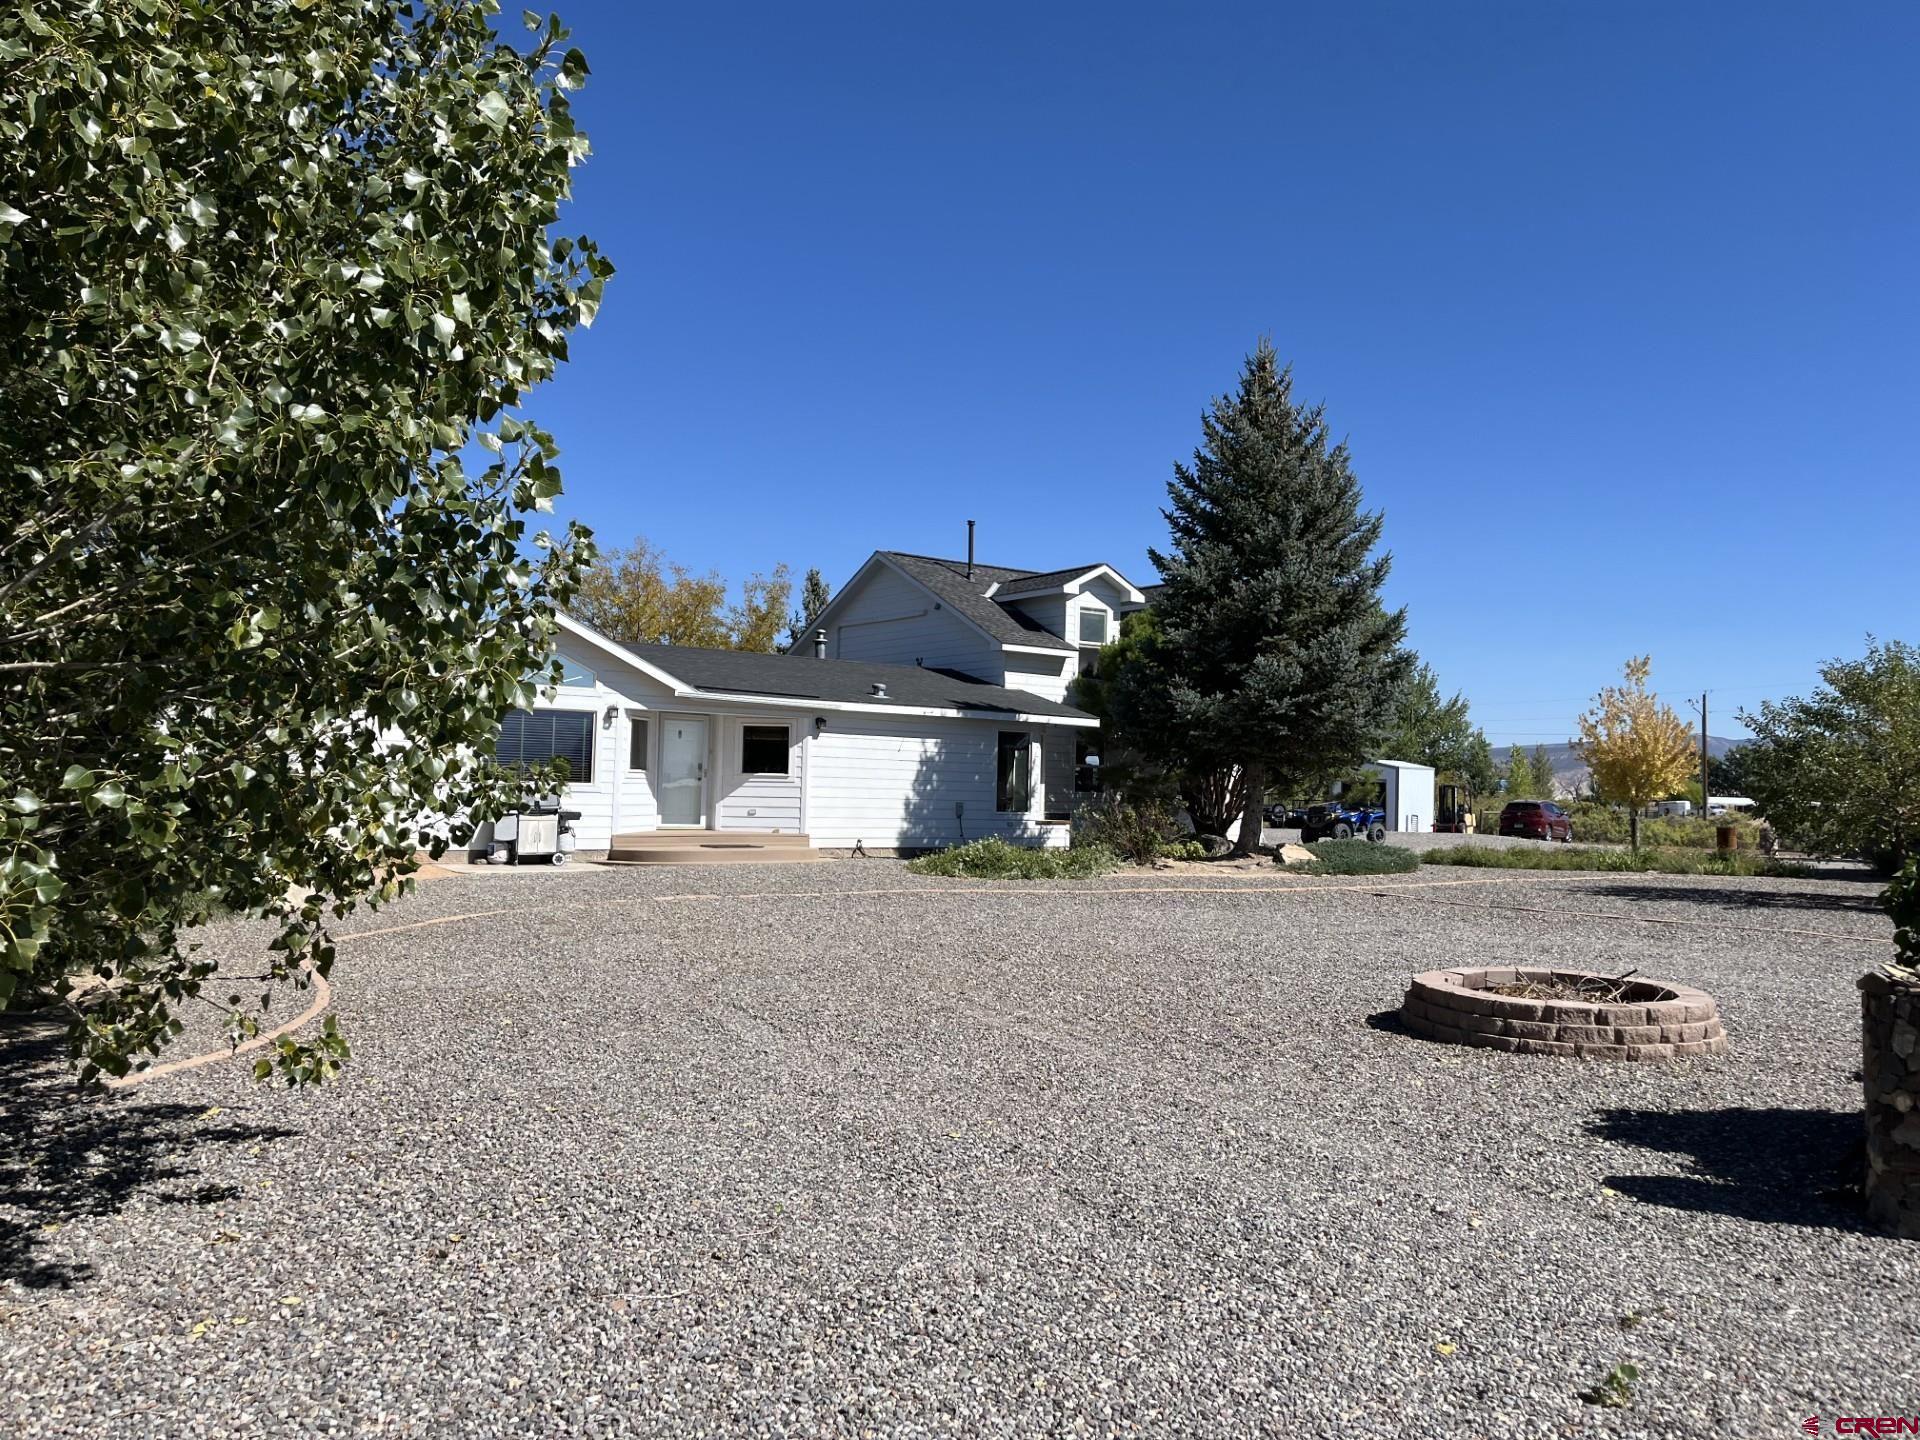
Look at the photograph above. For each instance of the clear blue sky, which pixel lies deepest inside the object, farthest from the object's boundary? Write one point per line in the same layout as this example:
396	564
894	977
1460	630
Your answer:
1616	303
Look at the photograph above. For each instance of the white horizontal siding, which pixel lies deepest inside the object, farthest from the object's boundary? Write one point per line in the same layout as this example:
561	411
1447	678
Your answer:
758	802
895	783
889	620
615	798
1049	612
639	808
1056	768
1044	675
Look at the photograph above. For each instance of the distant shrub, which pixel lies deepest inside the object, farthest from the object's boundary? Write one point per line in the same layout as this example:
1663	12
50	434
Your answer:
1596	824
1667	861
1599	824
1184	849
1136	830
994	859
1360	857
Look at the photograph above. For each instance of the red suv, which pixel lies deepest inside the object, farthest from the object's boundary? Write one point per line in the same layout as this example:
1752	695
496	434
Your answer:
1536	820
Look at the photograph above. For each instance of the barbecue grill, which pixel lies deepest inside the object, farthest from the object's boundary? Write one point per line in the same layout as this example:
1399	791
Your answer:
543	831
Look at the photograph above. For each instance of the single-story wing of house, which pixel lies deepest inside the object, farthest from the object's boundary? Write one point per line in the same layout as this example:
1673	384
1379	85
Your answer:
666	738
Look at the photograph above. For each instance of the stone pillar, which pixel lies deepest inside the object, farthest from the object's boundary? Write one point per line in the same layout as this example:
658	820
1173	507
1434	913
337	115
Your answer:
1890	1012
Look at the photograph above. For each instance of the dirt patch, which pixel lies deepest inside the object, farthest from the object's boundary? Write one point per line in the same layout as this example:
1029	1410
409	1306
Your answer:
1255	867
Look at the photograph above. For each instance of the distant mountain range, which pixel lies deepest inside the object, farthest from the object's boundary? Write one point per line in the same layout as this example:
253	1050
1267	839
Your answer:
1570	771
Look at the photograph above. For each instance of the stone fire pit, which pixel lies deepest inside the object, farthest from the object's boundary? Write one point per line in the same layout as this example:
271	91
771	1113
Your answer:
1628	1019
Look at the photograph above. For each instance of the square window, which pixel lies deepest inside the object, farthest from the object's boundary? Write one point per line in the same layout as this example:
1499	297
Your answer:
1013	784
637	743
1093	627
529	737
764	749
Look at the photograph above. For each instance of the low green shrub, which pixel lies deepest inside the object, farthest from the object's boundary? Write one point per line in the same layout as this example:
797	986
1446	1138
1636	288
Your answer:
1647	860
1182	850
1598	824
1360	857
994	859
1136	830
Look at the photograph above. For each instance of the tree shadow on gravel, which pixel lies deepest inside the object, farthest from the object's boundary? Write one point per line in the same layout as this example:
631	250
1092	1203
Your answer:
1740	898
68	1154
1777	1166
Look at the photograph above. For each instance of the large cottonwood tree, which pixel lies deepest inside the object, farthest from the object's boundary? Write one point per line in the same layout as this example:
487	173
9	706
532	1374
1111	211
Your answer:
268	271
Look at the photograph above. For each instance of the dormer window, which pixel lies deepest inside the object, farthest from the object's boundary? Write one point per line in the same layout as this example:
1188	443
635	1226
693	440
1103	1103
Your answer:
1093	627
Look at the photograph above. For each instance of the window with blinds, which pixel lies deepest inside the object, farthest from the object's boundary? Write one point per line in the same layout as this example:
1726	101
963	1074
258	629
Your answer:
529	737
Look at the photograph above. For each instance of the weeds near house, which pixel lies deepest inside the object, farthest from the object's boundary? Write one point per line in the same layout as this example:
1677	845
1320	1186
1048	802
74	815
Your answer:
1137	830
994	859
1358	857
1645	861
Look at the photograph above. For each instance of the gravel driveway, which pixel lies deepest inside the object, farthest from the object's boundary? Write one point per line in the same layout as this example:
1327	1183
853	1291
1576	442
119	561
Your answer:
824	1150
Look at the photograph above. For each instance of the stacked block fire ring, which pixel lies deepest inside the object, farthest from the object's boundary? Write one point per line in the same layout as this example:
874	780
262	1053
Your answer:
1564	1012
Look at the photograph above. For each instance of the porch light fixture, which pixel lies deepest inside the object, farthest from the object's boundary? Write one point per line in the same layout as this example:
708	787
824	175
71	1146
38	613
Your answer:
606	720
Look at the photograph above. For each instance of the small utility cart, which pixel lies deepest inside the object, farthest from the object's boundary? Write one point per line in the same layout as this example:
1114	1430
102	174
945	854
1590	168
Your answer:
543	831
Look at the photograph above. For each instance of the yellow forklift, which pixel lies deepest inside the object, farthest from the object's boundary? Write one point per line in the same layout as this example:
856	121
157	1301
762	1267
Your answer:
1453	808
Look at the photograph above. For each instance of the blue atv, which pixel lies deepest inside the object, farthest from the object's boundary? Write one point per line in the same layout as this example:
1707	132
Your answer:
1337	821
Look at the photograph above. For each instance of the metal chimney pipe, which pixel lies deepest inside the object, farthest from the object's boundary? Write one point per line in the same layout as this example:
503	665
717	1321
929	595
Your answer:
819	644
969	549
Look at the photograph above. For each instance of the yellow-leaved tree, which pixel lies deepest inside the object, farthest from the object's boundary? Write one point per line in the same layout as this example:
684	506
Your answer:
1638	749
640	596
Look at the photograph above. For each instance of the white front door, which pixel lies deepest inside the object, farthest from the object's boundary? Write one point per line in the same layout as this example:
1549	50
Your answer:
683	770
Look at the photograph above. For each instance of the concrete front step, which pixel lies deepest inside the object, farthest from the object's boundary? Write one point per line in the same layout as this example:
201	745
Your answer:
709	847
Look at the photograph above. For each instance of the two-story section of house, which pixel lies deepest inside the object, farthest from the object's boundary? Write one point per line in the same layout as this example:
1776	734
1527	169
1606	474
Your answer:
1028	630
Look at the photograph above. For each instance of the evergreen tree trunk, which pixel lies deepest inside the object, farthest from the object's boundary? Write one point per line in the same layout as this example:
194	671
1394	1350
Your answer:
1212	798
1252	814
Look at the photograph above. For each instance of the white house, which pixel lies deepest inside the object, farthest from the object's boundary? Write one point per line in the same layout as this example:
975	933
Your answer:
1028	630
667	739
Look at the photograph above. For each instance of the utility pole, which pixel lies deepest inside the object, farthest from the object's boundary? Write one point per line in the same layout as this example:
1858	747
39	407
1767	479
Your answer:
1705	765
1704	754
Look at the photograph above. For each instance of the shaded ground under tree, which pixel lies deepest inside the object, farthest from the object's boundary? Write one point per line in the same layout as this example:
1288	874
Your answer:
68	1153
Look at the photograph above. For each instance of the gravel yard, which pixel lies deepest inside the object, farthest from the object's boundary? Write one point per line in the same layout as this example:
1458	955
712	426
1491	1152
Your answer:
834	1149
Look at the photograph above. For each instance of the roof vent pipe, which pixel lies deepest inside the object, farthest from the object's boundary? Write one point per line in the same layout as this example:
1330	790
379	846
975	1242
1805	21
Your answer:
819	644
969	549
880	689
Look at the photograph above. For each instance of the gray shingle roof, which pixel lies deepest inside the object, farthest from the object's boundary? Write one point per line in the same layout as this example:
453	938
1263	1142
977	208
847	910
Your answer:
802	677
948	580
1048	578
